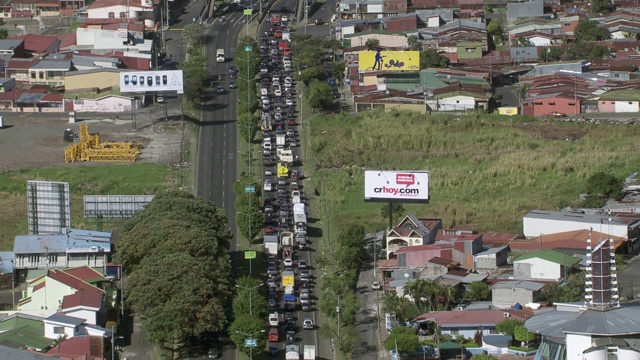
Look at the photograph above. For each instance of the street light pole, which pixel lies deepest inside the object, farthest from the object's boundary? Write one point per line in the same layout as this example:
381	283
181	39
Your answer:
250	336
250	295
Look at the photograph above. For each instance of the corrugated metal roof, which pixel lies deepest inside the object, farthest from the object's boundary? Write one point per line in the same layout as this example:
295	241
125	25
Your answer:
619	321
9	44
64	319
75	239
63	65
528	285
492	251
549	255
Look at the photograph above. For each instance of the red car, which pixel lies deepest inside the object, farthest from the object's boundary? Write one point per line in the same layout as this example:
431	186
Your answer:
557	114
269	230
274	336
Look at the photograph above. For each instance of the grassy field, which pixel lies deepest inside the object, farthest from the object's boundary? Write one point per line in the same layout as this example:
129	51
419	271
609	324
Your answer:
485	171
111	179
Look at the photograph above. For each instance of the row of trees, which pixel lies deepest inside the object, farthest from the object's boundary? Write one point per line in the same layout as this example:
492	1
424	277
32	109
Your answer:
248	63
194	73
248	208
249	314
174	253
340	269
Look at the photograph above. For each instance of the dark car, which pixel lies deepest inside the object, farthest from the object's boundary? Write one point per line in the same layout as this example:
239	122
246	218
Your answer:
233	85
233	69
272	295
291	336
272	304
268	208
273	351
336	93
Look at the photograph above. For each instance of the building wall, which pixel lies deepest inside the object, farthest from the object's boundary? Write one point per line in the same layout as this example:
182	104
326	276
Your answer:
386	40
467	331
540	41
453	103
50	334
545	106
420	258
576	344
536	269
114	104
432	269
103	13
102	80
533	227
47	297
89	316
626	106
433	21
606	106
508	297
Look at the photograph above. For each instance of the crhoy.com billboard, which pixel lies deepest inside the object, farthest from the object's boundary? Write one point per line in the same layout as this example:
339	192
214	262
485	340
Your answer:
396	186
386	60
143	81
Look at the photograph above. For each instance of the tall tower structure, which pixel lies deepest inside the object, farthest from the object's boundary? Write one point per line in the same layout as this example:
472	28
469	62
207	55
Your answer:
601	283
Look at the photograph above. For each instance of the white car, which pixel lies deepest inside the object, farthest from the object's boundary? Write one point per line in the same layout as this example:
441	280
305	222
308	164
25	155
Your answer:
277	92
267	185
288	262
287	80
288	102
307	324
264	91
268	172
376	285
274	320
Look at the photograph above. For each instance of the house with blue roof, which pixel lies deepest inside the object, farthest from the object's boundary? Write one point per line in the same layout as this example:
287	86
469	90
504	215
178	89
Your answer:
74	248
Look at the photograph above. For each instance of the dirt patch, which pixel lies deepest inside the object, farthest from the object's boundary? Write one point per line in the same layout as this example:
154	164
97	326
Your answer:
35	140
551	131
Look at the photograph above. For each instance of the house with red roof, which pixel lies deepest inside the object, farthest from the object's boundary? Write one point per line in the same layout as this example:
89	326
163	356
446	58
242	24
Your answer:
31	8
117	9
87	305
468	322
81	347
39	45
411	231
49	290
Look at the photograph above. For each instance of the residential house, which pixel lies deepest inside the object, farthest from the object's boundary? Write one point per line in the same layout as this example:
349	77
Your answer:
82	347
573	66
86	305
31	8
12	48
387	99
506	294
103	102
401	23
528	54
434	18
546	265
411	231
39	46
18	69
23	331
499	239
48	291
110	9
543	104
7	84
523	10
468	322
490	260
59	324
419	255
91	62
539	222
49	72
437	266
537	25
38	100
459	97
465	246
74	249
95	80
469	50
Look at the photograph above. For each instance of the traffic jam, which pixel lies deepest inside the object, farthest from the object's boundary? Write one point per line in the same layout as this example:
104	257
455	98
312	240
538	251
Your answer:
285	220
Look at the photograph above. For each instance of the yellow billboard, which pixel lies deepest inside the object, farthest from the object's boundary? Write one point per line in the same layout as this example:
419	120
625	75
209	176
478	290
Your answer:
387	60
508	110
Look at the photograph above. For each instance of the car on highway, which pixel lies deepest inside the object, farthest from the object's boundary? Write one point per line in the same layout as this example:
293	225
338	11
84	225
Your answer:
272	295
273	351
304	275
288	262
233	85
220	89
264	69
291	335
269	230
272	304
376	285
306	305
268	171
233	69
274	336
271	284
277	92
267	183
289	102
307	324
302	264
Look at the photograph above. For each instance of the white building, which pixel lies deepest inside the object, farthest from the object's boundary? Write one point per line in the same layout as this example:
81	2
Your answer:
117	9
543	265
540	222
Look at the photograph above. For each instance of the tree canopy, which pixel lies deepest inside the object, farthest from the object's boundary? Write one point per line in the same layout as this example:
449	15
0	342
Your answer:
431	58
605	184
372	44
175	254
590	30
319	94
402	338
477	291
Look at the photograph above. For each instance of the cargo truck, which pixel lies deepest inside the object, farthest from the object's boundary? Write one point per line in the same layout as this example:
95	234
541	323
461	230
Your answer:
299	213
220	57
286	239
281	140
285	155
309	352
283	170
292	352
271	244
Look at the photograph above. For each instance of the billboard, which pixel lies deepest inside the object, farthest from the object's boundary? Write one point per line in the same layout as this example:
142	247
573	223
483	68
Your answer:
396	186
154	80
386	60
48	207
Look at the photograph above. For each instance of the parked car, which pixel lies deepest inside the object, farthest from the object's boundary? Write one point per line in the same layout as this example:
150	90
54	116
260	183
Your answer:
233	85
307	324
288	262
267	183
302	264
556	114
376	285
272	304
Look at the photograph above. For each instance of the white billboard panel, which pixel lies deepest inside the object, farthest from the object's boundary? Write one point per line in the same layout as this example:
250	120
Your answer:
396	186
48	207
154	80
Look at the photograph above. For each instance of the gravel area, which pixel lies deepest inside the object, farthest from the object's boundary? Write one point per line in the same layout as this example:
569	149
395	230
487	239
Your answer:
36	140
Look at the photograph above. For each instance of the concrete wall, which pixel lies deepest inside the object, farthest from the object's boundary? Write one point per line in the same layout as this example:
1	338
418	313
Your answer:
109	104
536	269
88	315
507	297
626	107
546	106
576	344
386	40
453	103
50	334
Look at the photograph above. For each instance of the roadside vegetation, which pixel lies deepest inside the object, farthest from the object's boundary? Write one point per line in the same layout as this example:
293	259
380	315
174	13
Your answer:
485	170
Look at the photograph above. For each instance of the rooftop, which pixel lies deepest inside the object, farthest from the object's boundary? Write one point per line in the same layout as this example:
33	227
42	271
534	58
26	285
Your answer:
75	240
471	317
549	255
517	284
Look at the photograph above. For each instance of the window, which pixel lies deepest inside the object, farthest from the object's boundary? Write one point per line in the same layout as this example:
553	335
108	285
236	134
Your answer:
123	14
41	75
455	331
572	104
58	330
470	50
552	103
537	103
33	74
112	15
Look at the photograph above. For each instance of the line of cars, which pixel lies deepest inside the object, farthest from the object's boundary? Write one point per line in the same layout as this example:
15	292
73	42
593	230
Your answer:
288	275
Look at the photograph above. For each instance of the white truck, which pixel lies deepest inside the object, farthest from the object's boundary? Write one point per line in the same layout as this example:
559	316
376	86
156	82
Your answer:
299	213
285	155
309	352
281	139
286	239
271	244
292	352
220	57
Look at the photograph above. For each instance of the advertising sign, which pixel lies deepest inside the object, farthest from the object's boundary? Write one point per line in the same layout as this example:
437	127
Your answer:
250	255
386	60
396	186
508	110
159	80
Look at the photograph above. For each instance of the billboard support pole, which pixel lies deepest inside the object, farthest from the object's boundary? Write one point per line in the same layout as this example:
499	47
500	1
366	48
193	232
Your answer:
390	215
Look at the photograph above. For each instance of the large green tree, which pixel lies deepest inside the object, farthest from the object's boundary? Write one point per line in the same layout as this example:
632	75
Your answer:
601	6
174	221
179	296
245	326
590	30
508	326
248	301
605	184
431	58
319	94
193	34
477	291
402	338
372	44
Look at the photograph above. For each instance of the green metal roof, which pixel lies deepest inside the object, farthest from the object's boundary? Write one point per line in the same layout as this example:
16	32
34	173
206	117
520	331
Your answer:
550	255
23	332
621	95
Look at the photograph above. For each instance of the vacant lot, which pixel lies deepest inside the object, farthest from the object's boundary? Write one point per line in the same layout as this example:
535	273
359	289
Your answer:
32	148
484	171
